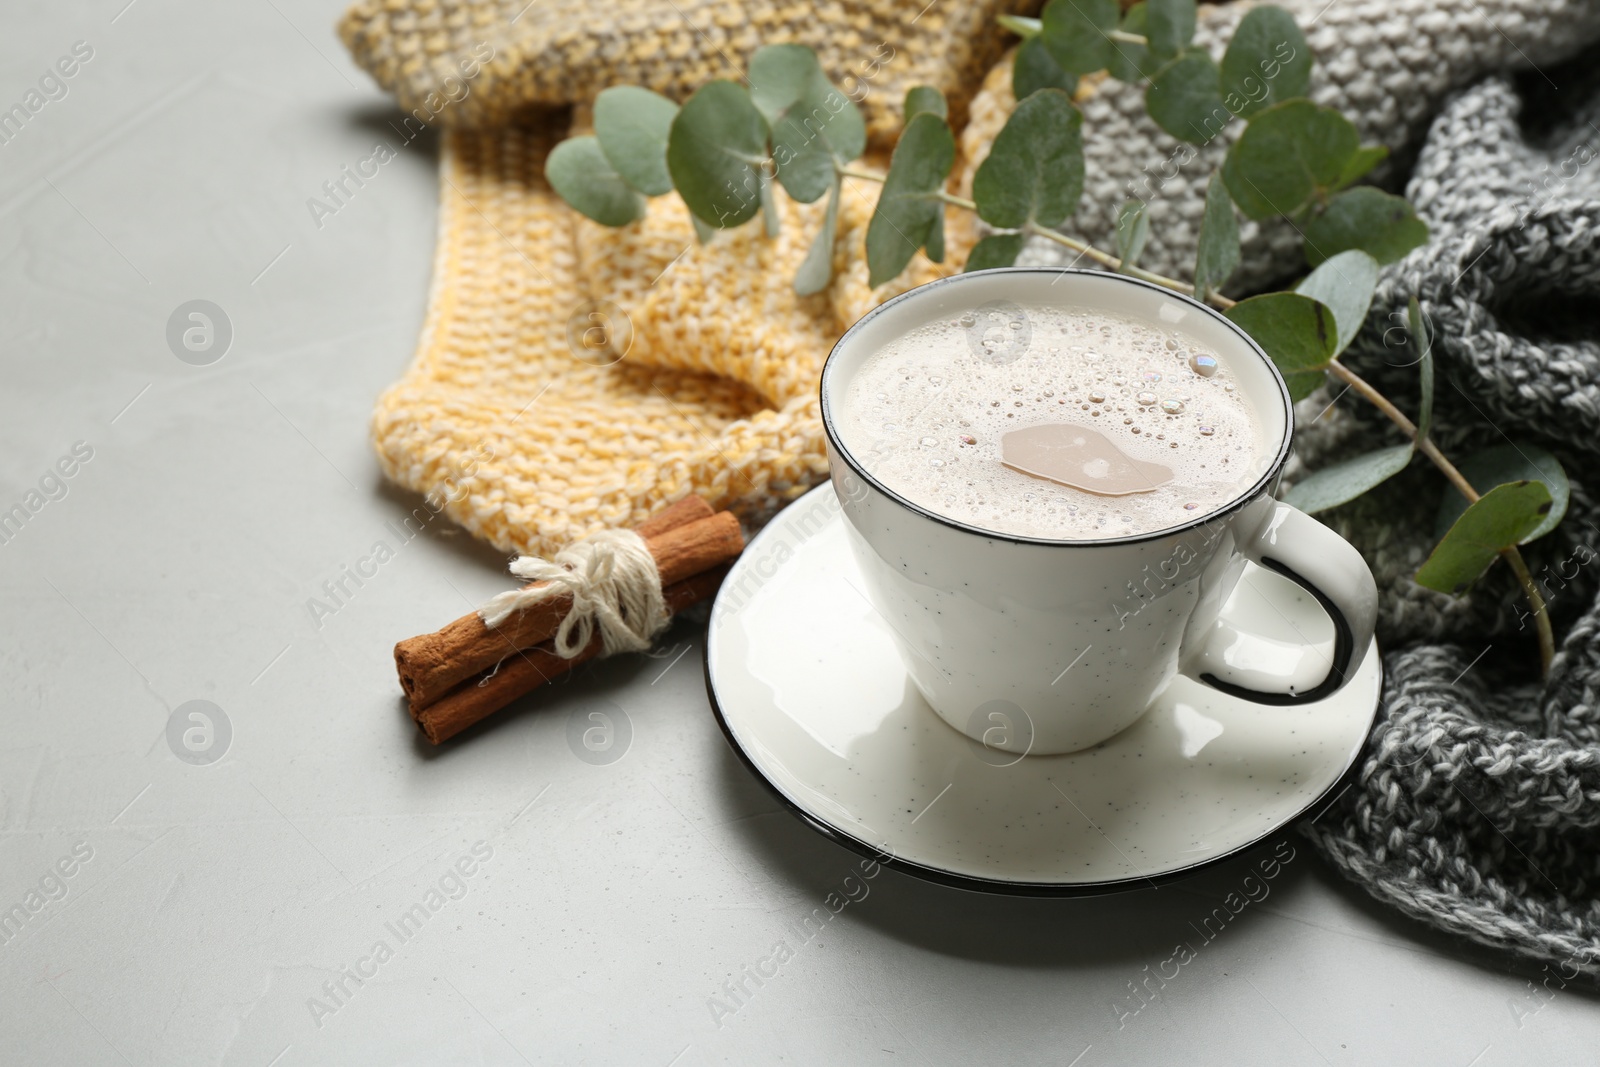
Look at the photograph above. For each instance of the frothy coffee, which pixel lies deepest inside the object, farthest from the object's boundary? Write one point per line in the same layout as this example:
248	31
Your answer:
1052	422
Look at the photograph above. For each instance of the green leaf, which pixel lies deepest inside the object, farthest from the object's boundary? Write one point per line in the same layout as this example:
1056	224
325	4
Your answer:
1218	253
1035	69
1267	62
1133	231
1303	383
995	250
1034	170
814	127
933	247
1130	61
703	230
771	222
1076	32
1297	332
1504	464
1022	26
1366	157
1343	482
1425	410
1169	26
1422	335
1504	516
817	270
1288	155
579	173
632	125
1379	223
714	154
1345	284
920	98
1183	98
908	207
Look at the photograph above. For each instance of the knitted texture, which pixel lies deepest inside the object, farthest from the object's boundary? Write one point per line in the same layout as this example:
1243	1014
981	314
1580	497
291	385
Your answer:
1478	807
511	416
531	436
1386	64
553	52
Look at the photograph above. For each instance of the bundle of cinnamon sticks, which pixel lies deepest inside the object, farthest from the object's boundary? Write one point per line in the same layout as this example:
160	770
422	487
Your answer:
462	674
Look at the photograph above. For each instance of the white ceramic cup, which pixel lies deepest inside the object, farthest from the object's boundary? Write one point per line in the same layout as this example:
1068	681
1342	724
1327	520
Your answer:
1033	645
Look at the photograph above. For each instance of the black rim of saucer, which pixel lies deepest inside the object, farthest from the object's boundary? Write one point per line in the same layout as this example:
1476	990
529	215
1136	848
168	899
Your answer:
1006	887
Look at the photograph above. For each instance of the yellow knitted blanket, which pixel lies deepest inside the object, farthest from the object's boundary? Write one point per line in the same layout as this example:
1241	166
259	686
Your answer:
571	377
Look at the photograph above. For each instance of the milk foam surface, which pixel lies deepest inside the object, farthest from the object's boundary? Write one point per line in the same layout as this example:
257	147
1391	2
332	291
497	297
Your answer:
925	414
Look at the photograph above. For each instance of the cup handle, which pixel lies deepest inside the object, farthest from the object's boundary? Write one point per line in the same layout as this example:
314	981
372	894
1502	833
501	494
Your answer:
1328	567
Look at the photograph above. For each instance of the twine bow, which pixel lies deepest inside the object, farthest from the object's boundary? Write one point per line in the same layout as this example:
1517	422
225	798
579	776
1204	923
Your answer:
612	579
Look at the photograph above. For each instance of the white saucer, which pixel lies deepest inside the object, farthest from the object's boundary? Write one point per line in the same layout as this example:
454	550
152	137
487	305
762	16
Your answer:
809	690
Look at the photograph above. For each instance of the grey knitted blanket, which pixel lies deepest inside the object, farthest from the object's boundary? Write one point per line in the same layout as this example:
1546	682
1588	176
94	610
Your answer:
1479	802
1477	809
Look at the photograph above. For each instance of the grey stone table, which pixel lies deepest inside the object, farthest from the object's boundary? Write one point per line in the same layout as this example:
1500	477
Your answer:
217	891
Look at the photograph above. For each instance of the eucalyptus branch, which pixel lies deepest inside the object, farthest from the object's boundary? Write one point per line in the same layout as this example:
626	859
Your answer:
1511	553
723	148
1084	248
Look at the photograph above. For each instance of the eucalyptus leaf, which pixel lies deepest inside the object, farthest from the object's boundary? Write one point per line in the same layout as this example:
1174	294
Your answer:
995	250
1077	33
1500	465
1345	284
1267	62
714	153
908	205
1379	223
1503	517
933	247
1169	26
1303	383
817	270
920	98
1132	61
580	174
1296	331
770	220
1034	170
1185	100
1422	336
815	128
1343	482
1218	253
1133	231
1286	157
632	125
1034	69
703	230
1358	165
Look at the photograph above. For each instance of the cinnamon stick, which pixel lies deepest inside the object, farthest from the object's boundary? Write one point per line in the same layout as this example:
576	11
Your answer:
524	670
432	664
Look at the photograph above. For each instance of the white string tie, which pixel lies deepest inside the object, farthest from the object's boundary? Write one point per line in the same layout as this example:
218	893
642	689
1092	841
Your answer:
612	579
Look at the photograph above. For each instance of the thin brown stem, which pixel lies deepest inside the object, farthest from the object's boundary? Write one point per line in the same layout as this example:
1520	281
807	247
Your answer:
1106	259
864	175
1083	248
1512	555
958	201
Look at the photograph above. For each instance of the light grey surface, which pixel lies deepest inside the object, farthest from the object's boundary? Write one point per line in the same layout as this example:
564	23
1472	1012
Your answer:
618	898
